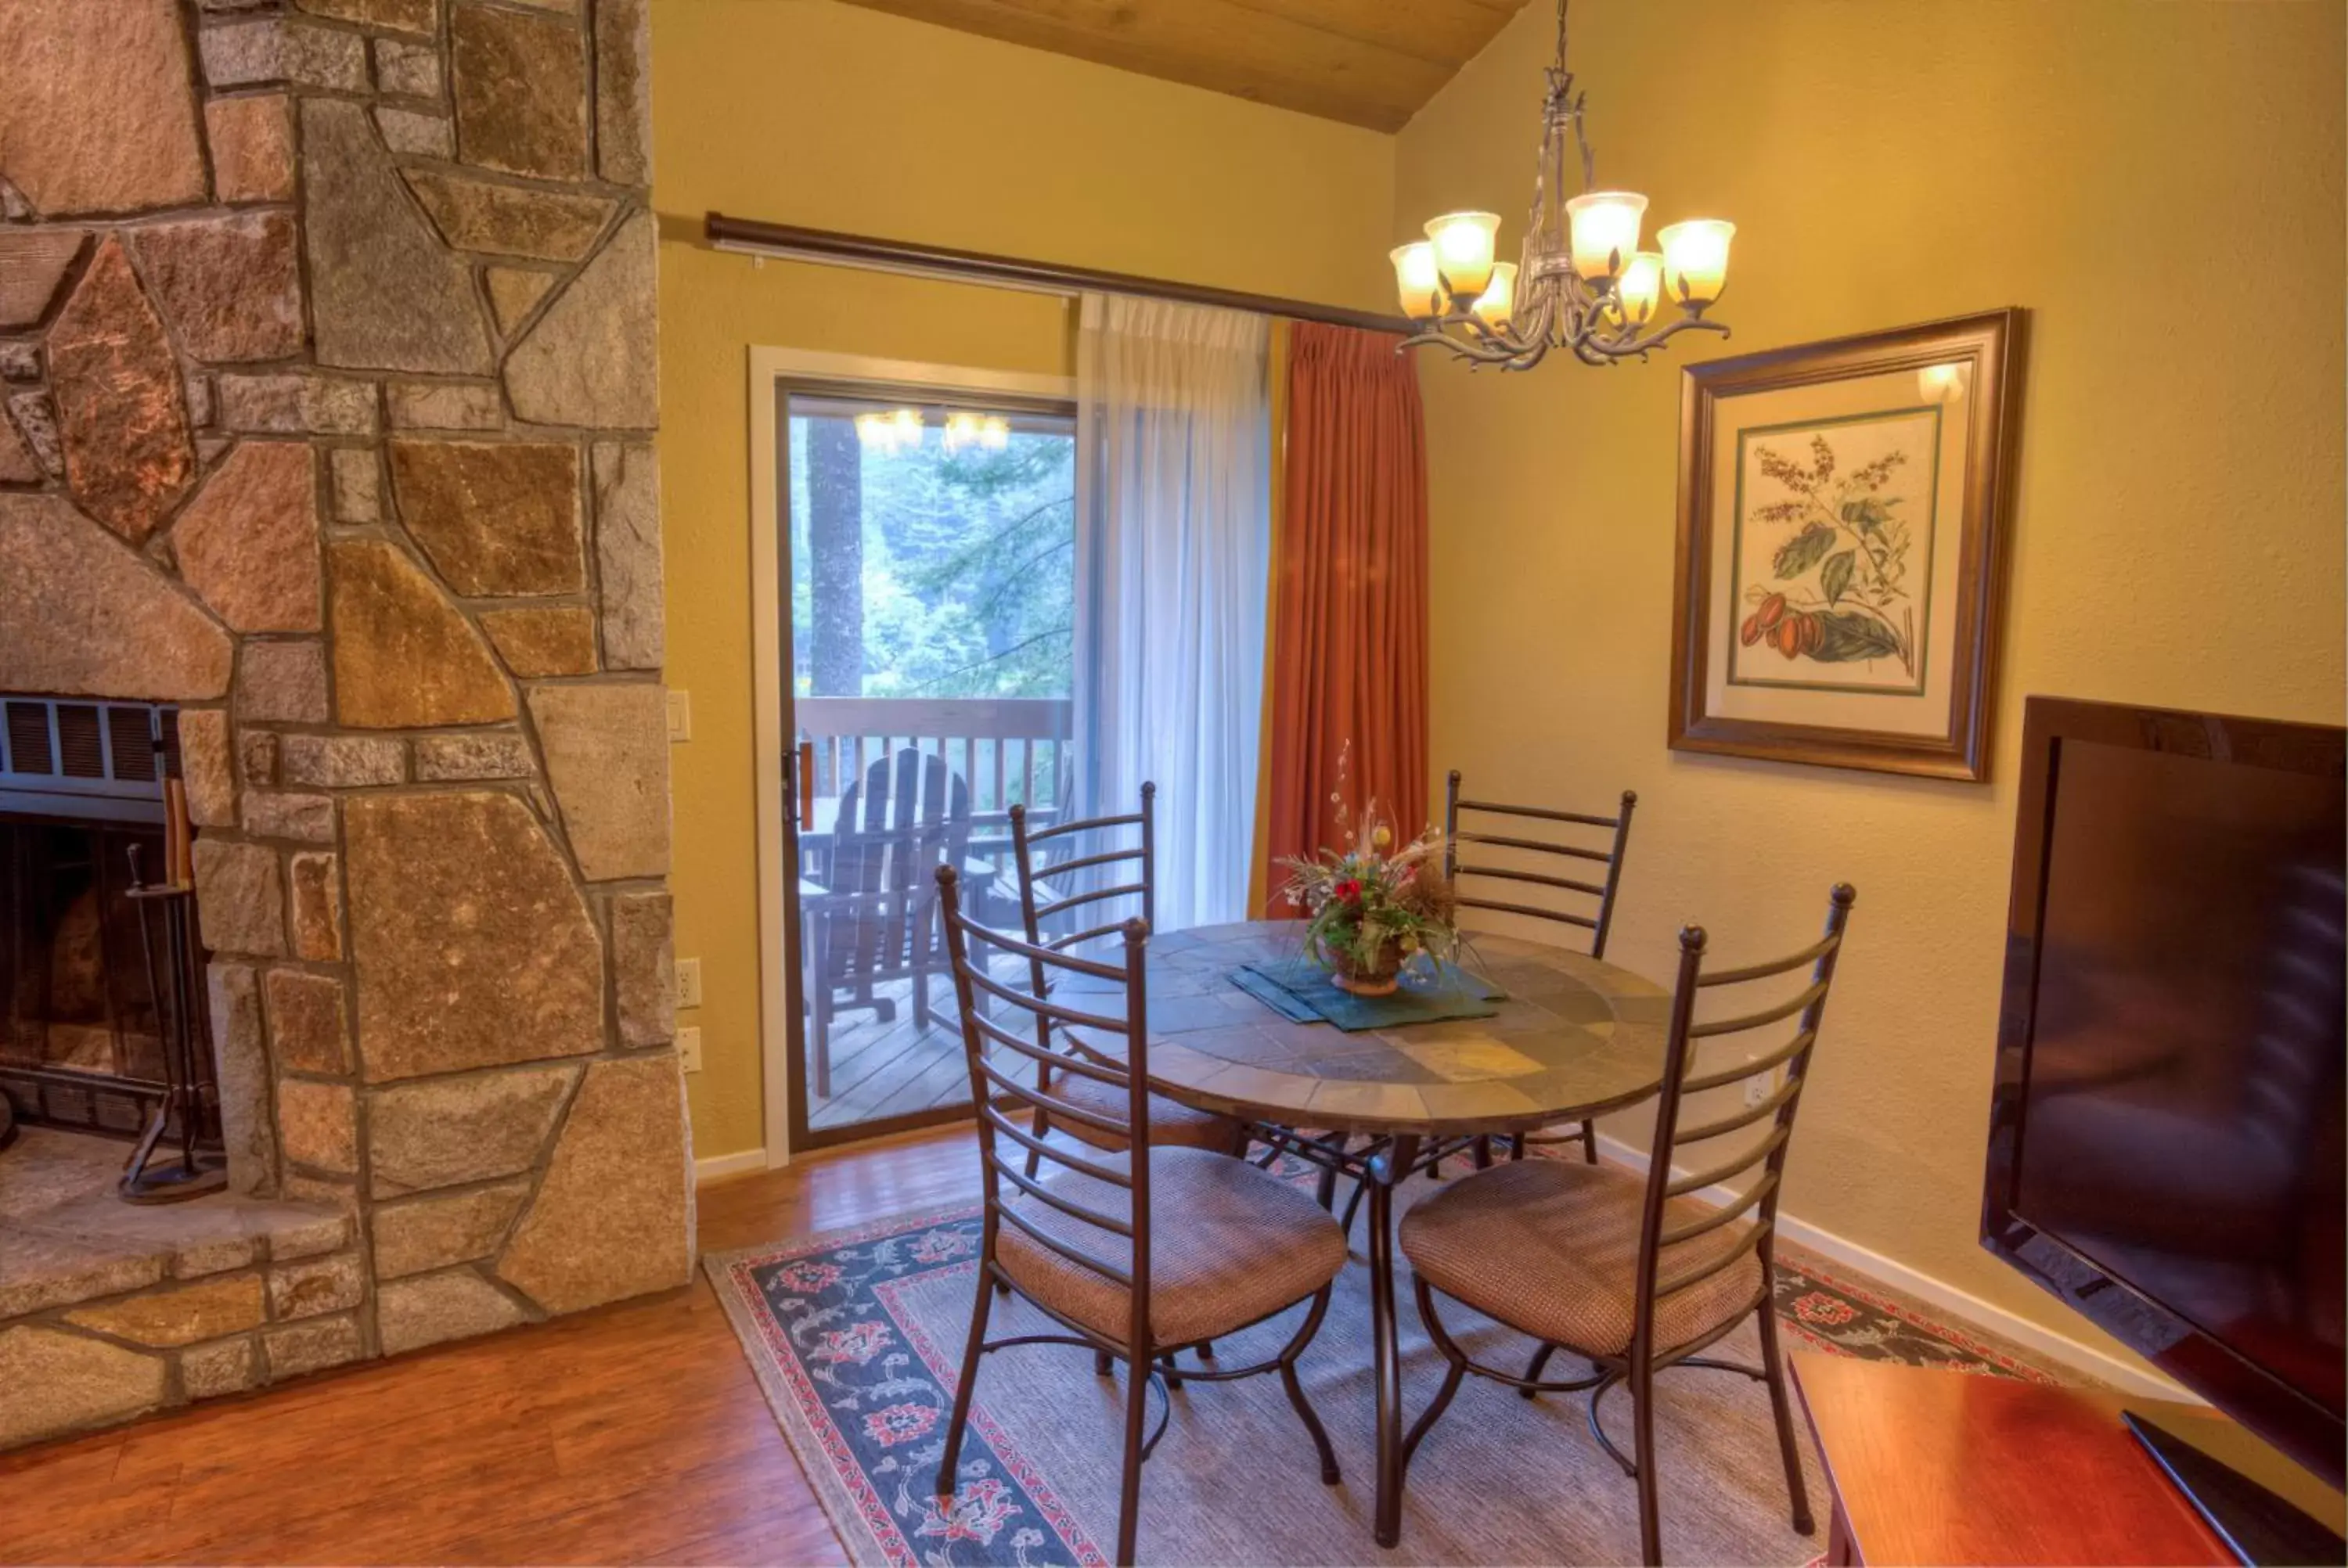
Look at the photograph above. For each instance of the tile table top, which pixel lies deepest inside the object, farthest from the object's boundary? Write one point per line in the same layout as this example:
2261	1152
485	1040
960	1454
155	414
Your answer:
1575	1037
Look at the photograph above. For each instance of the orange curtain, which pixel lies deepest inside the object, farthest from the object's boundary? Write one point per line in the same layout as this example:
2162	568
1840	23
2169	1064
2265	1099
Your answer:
1349	595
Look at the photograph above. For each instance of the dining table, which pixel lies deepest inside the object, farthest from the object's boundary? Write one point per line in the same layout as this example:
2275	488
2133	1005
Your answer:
1571	1037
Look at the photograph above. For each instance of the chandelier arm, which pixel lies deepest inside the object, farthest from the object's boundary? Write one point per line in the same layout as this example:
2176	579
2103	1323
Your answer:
1597	350
1518	348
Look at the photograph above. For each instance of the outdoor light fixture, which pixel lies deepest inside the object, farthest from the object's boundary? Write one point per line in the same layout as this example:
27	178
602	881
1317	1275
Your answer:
1581	283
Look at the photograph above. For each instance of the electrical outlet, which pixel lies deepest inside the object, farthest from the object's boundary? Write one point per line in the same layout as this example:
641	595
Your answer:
1760	1088
688	983
680	716
688	1047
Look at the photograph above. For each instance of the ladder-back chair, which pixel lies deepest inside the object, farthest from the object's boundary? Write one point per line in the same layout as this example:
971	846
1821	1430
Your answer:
1568	898
1064	878
1083	1244
1628	1271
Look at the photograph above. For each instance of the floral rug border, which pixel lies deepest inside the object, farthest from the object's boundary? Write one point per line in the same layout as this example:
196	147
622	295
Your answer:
1815	1299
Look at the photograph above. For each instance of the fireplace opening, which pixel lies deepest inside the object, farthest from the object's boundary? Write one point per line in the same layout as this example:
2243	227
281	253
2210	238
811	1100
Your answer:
99	1029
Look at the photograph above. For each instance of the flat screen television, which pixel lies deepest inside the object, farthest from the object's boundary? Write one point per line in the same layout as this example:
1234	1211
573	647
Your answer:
2165	1137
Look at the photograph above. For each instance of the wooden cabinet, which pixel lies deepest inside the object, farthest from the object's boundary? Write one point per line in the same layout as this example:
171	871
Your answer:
1945	1466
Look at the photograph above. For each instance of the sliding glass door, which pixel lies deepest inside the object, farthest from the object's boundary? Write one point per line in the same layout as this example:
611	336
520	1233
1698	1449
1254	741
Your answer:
931	561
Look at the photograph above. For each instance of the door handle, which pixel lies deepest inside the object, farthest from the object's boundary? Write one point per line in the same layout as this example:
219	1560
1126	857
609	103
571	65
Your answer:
804	777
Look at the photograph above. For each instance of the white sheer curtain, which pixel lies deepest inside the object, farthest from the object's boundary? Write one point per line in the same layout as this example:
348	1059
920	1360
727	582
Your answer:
1174	544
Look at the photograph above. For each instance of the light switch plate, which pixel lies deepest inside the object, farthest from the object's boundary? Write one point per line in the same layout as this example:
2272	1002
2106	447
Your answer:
680	716
688	1048
688	983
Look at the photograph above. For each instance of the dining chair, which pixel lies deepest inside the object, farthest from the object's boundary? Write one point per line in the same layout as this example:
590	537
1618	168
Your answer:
1567	899
1632	1272
1065	866
1083	1244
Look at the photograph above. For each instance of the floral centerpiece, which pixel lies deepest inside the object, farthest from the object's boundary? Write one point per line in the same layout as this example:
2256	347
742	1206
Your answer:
1370	908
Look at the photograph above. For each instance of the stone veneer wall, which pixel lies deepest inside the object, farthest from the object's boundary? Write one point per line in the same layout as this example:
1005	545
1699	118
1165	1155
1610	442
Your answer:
327	358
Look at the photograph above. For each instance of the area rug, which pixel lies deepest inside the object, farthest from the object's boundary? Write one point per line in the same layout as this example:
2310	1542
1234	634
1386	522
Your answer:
856	1337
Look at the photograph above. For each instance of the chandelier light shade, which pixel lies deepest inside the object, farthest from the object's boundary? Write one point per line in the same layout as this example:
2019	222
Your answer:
1416	280
1497	302
1463	248
1579	283
1604	227
1642	287
1695	259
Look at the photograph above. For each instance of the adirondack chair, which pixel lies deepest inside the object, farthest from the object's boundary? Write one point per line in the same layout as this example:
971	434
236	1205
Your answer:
876	920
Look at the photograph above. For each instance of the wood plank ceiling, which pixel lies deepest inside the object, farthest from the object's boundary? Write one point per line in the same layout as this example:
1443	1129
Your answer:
1365	62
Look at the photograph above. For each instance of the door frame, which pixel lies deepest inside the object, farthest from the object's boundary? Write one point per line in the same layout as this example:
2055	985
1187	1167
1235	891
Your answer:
772	372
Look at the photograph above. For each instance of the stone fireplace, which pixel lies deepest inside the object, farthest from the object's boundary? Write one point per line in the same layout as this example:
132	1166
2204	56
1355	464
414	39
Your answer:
327	400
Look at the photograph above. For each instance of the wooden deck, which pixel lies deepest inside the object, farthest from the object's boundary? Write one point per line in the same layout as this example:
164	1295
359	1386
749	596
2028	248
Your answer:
895	1068
899	1067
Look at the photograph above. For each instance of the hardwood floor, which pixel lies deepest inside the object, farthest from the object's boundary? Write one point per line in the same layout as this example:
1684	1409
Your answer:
629	1434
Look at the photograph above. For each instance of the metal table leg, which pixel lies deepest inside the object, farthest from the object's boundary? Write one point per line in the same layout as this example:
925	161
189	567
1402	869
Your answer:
1385	1172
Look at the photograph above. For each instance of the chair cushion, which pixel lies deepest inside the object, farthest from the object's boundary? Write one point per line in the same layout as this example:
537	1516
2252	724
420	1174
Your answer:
1170	1121
1552	1247
1229	1244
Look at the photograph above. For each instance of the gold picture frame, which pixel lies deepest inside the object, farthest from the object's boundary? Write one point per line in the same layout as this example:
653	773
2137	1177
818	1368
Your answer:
1841	548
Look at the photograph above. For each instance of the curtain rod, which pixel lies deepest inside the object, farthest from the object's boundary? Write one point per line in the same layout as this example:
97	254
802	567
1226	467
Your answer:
748	236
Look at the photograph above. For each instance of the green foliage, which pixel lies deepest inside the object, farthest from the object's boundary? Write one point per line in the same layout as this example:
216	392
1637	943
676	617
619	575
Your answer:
1849	635
969	566
1833	577
1803	551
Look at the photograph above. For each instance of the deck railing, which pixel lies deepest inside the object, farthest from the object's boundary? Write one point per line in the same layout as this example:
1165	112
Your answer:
1011	751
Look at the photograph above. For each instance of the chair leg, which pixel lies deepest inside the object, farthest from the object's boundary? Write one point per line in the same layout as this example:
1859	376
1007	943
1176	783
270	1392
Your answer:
1206	1350
1287	1380
1533	1372
1456	1370
1173	1370
1128	1499
1590	1142
1103	1364
971	1355
1643	1428
1772	1367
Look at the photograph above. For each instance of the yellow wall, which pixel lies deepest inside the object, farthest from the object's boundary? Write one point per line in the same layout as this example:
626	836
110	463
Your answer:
803	111
2161	186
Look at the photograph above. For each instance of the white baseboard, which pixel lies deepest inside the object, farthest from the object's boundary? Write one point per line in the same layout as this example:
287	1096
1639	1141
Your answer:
718	1167
2100	1364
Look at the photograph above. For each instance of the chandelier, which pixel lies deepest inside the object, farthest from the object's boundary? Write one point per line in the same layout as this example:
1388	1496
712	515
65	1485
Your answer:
1581	283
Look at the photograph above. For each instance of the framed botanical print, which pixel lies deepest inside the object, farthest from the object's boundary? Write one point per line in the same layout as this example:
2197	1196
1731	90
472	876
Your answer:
1841	547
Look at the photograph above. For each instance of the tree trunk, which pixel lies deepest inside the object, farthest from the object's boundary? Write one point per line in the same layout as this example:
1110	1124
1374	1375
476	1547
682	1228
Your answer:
836	559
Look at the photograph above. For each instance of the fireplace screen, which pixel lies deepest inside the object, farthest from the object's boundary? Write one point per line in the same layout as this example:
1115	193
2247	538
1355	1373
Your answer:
71	972
79	789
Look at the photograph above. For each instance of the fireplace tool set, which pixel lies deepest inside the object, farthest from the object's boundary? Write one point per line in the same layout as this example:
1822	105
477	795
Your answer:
166	935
